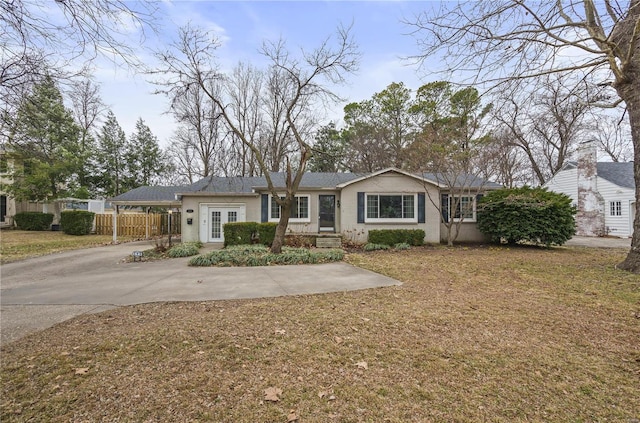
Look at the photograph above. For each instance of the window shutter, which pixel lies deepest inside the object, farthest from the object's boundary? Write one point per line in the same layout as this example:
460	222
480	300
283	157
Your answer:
444	207
421	208
264	211
361	207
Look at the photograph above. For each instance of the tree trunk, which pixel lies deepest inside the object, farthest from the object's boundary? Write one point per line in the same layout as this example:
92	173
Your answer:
628	87
281	229
631	95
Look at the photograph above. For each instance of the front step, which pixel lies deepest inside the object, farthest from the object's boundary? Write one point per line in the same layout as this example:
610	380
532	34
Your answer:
329	242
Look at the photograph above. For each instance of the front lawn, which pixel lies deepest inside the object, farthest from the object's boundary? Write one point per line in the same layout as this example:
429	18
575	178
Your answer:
472	334
18	245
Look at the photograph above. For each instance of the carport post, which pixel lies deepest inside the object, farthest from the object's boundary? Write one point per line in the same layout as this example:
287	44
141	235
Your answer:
115	225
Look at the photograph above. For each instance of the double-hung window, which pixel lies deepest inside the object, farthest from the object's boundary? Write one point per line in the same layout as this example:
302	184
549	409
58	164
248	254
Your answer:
299	209
463	207
615	208
391	208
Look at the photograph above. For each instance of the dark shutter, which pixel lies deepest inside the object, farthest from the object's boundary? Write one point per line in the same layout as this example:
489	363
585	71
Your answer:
264	212
422	218
444	207
361	207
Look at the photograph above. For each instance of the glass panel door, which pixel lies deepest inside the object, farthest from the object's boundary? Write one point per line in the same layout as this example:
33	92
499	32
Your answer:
327	207
216	225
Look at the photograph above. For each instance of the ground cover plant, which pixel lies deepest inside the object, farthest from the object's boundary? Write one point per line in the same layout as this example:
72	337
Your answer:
473	334
261	255
18	245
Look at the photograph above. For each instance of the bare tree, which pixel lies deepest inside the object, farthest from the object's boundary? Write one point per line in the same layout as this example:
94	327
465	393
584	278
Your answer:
614	138
189	65
507	41
201	134
547	122
87	106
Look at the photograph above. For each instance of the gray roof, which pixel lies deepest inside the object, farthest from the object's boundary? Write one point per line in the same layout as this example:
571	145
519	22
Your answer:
149	194
227	185
462	180
620	174
247	185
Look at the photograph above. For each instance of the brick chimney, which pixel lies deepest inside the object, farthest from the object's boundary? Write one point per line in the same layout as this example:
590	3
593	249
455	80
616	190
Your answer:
590	216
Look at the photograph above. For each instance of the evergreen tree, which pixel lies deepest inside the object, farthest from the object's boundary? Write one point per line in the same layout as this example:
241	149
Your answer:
46	138
146	162
112	154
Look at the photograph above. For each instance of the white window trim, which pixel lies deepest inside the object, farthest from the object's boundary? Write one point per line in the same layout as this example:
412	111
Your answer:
617	208
291	219
465	219
414	219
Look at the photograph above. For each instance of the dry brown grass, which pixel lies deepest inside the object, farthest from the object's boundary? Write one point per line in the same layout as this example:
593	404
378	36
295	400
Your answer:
19	245
473	334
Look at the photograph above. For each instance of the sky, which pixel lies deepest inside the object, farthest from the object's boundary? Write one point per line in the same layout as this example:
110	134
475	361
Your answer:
242	26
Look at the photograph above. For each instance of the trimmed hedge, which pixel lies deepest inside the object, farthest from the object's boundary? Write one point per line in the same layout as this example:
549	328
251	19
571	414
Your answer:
33	221
76	222
526	214
390	237
239	233
267	232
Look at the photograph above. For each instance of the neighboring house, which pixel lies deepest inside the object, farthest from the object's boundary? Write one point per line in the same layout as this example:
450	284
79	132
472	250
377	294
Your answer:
7	203
603	192
345	203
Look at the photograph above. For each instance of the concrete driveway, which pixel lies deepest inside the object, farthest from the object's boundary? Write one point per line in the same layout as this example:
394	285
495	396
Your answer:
38	293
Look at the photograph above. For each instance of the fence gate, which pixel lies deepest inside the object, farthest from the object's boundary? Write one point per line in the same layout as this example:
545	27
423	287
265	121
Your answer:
138	225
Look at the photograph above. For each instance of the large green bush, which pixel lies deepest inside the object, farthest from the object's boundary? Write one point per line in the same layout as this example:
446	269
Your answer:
526	214
391	237
266	232
239	233
76	222
33	221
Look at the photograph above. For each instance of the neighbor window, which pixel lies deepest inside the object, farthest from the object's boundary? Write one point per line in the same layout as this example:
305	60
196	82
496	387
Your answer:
390	207
615	208
463	208
299	208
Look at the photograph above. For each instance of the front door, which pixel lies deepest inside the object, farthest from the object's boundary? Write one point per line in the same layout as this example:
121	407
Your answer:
217	217
327	220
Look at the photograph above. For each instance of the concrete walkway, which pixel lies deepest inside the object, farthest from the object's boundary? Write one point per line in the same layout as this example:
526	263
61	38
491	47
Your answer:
599	242
38	293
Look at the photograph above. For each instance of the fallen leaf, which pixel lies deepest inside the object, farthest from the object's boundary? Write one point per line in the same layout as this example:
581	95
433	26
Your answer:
337	339
82	370
364	319
332	398
272	394
280	331
362	365
322	394
292	417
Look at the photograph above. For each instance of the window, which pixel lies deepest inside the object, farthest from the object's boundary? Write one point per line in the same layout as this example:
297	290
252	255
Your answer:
299	209
4	168
391	207
615	208
464	207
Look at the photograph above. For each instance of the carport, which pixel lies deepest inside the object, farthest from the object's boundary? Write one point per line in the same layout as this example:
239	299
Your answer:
146	198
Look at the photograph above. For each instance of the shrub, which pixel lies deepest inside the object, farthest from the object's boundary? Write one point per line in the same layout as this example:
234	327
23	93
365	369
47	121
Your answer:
375	247
185	249
527	214
259	255
401	246
239	233
76	222
413	237
33	221
300	241
266	232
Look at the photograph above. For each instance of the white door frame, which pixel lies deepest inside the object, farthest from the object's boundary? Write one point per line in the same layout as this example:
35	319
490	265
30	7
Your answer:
209	228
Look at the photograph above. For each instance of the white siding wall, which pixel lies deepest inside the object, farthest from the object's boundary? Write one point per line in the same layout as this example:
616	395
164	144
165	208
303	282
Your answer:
619	226
391	183
566	182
